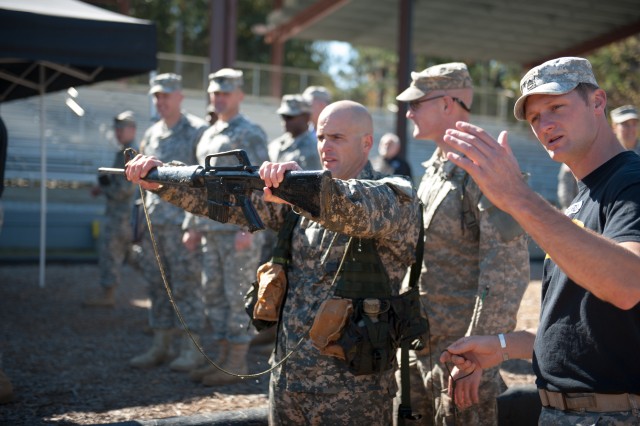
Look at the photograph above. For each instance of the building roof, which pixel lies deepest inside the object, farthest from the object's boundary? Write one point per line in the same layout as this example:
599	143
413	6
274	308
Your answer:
521	32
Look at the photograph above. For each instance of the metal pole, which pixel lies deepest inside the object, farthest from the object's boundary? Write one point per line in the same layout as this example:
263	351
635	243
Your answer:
405	37
43	183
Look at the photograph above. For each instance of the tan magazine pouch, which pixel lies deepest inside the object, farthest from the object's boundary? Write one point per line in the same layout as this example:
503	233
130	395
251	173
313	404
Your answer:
272	285
328	325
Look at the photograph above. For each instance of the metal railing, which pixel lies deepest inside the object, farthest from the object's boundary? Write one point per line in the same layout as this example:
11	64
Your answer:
258	78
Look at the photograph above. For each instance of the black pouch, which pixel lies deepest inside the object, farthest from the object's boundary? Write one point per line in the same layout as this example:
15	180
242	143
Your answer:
104	180
370	342
368	346
138	221
250	300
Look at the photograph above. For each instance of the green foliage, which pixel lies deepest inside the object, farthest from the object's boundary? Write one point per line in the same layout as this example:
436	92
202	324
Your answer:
189	16
617	69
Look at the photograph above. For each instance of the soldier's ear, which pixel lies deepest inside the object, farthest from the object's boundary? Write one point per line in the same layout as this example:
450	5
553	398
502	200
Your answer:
367	141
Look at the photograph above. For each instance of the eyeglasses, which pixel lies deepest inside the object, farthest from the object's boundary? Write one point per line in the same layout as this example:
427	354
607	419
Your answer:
414	105
288	117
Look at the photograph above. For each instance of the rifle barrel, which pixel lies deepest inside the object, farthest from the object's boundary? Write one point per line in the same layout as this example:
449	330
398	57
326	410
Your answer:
110	171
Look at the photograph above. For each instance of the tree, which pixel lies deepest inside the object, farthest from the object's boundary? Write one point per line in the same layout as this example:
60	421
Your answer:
617	69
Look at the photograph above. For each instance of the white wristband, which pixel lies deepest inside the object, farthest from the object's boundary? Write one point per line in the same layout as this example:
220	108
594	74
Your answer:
503	345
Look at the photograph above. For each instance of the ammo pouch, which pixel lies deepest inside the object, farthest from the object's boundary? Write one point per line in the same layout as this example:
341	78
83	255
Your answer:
250	300
265	297
379	322
376	329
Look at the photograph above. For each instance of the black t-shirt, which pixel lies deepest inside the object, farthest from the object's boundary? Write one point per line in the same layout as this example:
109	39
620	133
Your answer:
583	343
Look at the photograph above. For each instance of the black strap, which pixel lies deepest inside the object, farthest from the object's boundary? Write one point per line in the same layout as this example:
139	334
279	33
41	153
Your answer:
405	412
282	250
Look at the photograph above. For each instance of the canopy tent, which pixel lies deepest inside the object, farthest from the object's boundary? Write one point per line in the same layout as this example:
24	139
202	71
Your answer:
51	45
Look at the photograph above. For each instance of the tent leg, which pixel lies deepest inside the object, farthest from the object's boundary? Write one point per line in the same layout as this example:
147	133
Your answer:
43	185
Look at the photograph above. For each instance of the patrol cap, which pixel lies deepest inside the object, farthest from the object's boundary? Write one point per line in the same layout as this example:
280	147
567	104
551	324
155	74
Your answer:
124	119
317	92
453	75
225	80
165	83
294	105
624	113
554	77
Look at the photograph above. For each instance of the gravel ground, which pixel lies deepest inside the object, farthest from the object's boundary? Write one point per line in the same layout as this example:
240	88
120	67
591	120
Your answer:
68	364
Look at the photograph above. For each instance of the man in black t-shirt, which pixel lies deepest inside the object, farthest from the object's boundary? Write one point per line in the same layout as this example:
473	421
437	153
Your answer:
589	333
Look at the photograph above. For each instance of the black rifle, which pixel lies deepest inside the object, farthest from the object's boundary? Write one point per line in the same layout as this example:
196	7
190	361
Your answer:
231	186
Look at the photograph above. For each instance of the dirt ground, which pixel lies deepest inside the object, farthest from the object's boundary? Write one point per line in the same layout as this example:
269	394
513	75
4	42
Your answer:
68	364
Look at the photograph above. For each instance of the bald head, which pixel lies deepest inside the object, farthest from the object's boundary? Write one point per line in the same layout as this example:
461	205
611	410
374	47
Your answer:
353	112
345	137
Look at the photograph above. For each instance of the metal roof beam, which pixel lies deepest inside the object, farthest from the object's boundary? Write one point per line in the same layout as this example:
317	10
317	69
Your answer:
303	19
594	43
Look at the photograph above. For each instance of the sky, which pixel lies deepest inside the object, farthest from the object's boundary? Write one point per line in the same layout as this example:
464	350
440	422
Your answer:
340	54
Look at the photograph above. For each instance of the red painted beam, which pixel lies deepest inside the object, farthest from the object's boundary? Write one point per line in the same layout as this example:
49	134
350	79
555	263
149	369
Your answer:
314	13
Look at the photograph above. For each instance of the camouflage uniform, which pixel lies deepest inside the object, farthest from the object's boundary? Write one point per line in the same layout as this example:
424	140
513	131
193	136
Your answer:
226	273
474	274
567	187
182	267
116	236
310	388
303	150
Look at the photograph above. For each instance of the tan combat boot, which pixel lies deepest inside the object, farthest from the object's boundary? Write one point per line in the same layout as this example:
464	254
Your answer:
235	363
190	357
106	298
157	354
6	388
219	357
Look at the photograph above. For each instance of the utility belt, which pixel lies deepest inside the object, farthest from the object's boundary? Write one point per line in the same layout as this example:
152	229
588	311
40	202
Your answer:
594	402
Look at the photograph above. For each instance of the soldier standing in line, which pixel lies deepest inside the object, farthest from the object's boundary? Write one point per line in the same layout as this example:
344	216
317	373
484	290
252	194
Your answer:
567	187
313	387
298	143
230	255
116	237
476	261
319	97
388	160
174	137
624	121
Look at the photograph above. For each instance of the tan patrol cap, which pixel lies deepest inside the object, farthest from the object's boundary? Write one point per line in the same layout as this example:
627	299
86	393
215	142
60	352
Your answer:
317	92
124	119
166	83
554	77
225	80
624	113
294	105
453	75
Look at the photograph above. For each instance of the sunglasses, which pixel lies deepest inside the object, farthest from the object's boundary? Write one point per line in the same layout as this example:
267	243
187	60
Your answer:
414	105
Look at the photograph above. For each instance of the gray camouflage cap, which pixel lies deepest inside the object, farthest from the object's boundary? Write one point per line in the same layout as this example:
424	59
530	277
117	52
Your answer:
166	83
124	119
554	77
624	113
294	105
453	75
225	80
316	92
